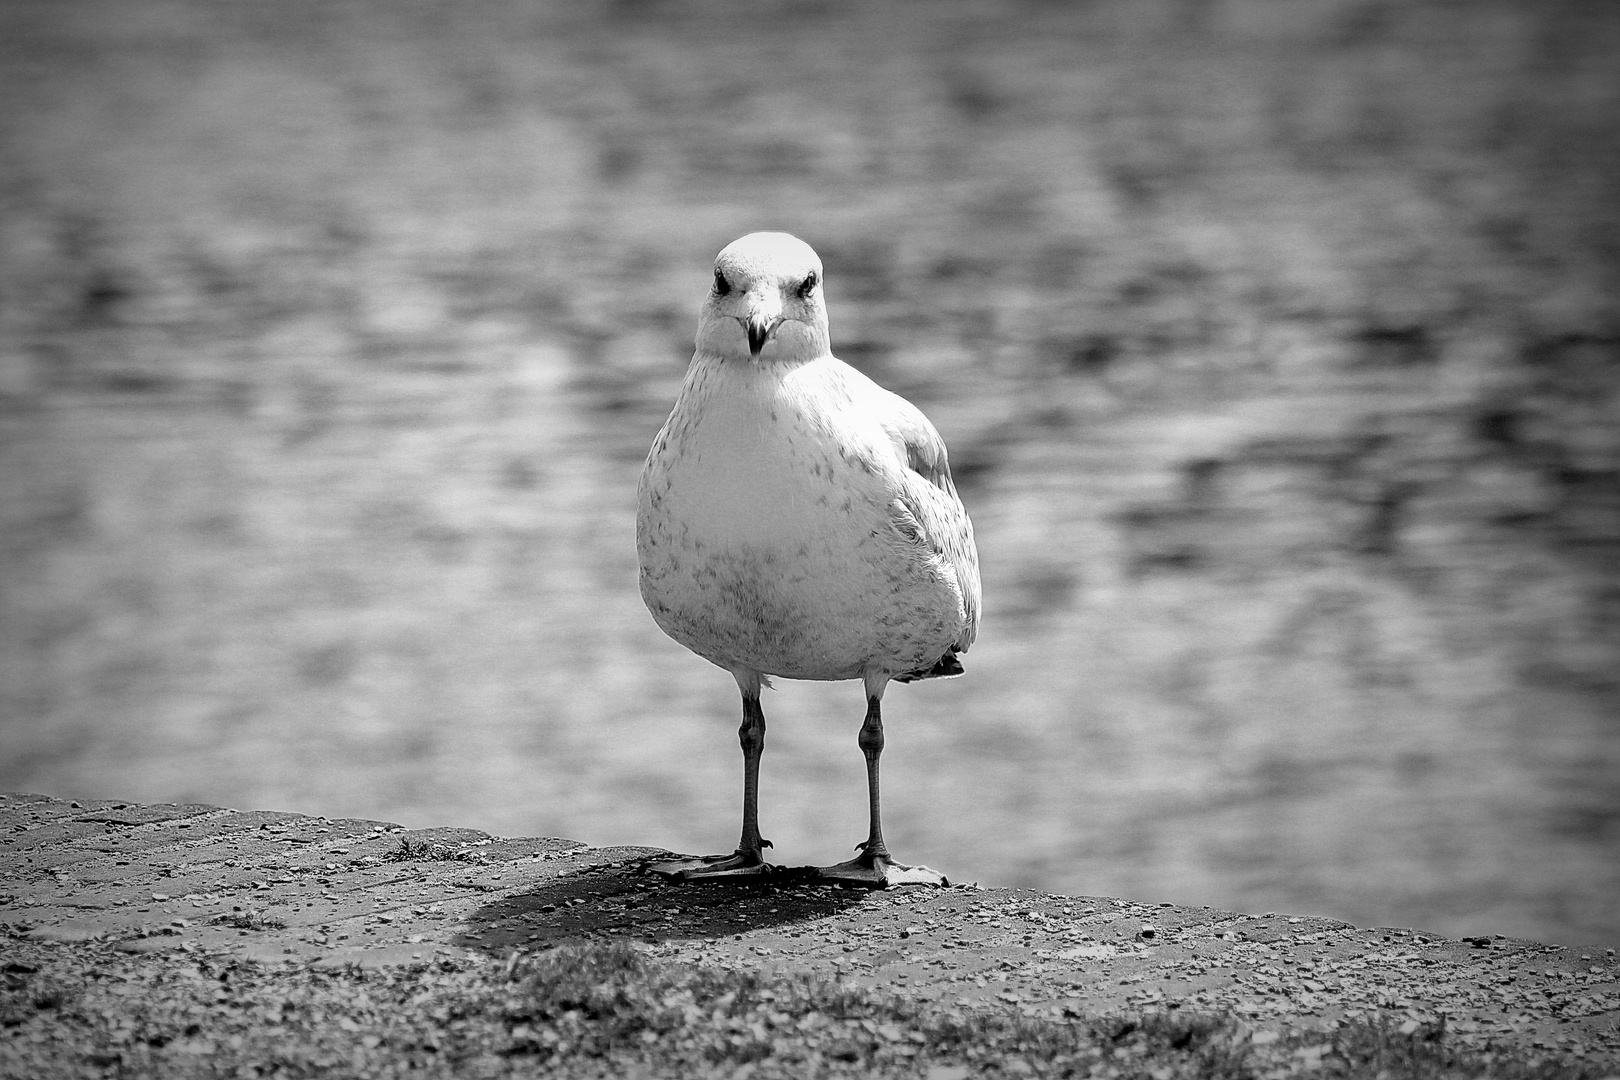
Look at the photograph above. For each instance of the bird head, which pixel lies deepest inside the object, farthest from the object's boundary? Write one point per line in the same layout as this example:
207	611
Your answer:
765	302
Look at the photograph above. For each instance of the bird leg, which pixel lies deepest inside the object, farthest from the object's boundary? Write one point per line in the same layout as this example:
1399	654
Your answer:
749	858
873	867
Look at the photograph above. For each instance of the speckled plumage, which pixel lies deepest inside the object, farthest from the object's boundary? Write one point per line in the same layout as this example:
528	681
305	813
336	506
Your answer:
795	518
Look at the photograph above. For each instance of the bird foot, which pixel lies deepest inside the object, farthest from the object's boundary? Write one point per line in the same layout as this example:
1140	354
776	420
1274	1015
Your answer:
880	872
737	864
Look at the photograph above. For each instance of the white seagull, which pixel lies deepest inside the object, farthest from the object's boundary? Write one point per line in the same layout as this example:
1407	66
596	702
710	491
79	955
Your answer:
797	519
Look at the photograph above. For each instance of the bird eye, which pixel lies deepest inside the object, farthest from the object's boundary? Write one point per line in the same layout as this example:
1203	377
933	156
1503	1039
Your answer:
808	286
721	285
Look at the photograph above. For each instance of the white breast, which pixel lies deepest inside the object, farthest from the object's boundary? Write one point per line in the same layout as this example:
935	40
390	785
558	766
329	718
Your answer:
766	530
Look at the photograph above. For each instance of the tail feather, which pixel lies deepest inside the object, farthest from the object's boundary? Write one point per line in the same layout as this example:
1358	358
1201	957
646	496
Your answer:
947	666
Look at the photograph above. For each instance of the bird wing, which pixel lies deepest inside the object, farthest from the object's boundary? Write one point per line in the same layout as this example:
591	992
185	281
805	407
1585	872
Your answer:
928	503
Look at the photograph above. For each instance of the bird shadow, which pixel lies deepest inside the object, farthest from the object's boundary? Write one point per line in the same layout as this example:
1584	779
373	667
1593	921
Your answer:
627	901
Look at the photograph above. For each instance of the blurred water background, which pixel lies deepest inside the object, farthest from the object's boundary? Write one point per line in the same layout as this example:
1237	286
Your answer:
1276	343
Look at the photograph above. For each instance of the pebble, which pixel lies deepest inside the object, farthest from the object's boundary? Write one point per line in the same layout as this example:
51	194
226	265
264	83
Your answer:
61	934
160	943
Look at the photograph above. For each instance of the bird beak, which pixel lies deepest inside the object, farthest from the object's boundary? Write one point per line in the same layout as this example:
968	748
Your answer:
761	322
759	332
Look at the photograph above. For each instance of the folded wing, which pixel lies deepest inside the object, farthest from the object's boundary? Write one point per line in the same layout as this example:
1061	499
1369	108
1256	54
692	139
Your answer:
929	505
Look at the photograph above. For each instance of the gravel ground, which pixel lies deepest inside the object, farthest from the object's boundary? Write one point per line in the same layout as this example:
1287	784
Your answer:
585	1010
190	940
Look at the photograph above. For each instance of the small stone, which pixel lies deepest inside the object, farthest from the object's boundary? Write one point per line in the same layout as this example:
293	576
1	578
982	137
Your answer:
61	934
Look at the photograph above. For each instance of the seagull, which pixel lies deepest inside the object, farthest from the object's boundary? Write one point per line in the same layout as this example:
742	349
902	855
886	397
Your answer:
795	519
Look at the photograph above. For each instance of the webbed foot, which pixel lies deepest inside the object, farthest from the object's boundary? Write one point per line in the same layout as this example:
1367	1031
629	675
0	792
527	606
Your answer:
880	872
737	864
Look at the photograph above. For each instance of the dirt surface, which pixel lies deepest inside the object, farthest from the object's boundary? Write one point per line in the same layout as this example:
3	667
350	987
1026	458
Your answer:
183	884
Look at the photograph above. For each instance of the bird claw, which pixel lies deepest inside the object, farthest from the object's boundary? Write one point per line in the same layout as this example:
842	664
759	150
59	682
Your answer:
880	872
737	864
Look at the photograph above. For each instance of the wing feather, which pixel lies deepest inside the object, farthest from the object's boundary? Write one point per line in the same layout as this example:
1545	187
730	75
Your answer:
929	499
